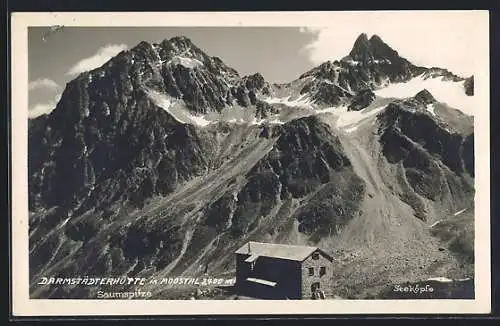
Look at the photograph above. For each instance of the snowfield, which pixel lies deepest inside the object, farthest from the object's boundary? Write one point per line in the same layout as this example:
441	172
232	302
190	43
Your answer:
189	63
301	101
449	92
177	111
350	120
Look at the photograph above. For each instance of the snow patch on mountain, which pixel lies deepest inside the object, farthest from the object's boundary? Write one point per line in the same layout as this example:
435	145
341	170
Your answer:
380	61
189	63
176	110
64	223
256	122
352	129
353	62
301	101
237	121
430	108
276	121
200	120
235	115
449	92
440	279
350	120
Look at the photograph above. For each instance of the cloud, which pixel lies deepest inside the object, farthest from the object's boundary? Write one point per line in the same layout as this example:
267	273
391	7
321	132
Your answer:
39	109
98	59
43	83
43	108
428	39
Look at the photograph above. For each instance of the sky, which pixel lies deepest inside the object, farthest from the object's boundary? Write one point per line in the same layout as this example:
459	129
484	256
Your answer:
280	54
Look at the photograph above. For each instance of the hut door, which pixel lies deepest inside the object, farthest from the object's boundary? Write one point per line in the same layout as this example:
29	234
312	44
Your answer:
315	288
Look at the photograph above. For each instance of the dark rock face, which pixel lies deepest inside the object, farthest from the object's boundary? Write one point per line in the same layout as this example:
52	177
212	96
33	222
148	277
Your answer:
366	50
432	156
378	58
189	85
469	86
131	153
326	93
425	97
304	154
255	201
362	99
308	157
361	49
335	204
256	82
264	110
150	243
444	74
83	147
106	128
220	213
419	128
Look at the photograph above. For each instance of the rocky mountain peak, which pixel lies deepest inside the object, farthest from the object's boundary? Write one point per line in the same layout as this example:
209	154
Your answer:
361	49
425	97
375	39
370	64
324	70
181	40
255	81
143	45
368	50
183	46
381	50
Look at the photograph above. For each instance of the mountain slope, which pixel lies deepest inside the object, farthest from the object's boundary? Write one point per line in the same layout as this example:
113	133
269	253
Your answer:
164	160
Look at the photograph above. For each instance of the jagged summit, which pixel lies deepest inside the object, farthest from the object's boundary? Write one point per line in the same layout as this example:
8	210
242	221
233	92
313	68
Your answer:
425	97
375	38
371	64
361	49
177	67
381	50
182	44
181	39
371	50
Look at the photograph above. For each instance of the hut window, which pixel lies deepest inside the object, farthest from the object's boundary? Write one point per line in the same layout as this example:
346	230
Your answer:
315	255
322	271
311	271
